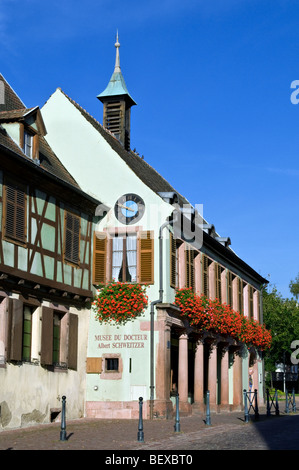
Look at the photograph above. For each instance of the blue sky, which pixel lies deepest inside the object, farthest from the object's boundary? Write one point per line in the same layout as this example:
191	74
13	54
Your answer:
212	79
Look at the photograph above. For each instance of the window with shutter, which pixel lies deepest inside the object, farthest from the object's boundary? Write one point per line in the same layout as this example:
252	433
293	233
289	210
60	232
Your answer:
173	261
258	306
250	302
56	339
205	275
16	329
27	332
47	336
72	238
99	258
146	257
124	258
28	144
218	270
14	213
240	296
189	253
130	258
73	341
229	278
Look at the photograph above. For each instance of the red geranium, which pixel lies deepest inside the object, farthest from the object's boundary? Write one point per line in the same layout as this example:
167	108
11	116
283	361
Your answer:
212	315
119	302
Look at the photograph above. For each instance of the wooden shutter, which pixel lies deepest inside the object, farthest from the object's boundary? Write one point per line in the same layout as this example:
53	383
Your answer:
173	261
229	278
14	225
240	295
16	328
93	365
73	341
218	282
205	275
35	150
258	306
72	238
47	336
99	258
250	301
189	257
146	257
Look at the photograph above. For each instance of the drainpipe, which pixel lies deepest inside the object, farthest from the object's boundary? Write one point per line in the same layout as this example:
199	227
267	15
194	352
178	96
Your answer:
152	326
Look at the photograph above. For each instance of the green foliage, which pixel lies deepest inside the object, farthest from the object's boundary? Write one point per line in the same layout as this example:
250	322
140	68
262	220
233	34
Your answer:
294	287
281	316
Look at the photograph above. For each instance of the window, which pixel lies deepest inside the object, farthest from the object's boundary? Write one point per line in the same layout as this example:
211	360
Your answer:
72	238
14	213
124	258
28	144
59	339
56	339
111	364
27	333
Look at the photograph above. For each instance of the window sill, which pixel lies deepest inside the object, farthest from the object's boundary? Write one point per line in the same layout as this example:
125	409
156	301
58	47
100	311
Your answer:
15	241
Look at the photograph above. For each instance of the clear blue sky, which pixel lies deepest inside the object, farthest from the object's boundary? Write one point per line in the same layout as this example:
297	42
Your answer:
212	79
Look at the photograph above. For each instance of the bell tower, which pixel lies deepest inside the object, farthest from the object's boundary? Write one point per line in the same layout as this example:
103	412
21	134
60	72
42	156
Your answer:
117	104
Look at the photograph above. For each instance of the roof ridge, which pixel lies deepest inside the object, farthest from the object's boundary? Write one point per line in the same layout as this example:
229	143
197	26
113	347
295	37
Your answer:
81	107
122	151
21	101
90	115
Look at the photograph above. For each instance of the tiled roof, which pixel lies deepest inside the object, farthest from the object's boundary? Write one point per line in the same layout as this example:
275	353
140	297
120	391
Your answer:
13	114
11	99
14	109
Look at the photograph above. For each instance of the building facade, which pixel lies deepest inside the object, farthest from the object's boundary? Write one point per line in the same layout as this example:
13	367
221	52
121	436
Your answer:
138	240
46	228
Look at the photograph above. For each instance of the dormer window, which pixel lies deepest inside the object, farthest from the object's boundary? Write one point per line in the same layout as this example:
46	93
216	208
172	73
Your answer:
28	144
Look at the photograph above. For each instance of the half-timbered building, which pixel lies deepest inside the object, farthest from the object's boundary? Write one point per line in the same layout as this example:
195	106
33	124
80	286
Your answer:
160	353
46	226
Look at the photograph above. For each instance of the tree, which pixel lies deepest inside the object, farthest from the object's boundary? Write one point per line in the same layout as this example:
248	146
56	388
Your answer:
294	287
281	316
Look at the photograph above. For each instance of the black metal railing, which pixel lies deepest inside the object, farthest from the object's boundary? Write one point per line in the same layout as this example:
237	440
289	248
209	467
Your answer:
250	403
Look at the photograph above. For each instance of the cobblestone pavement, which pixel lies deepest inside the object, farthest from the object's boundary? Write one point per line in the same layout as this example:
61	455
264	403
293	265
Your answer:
228	431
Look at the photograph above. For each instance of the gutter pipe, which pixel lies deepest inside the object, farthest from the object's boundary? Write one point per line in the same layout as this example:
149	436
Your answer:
152	313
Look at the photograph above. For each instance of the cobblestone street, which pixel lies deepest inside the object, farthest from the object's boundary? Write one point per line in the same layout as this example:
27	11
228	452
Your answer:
226	432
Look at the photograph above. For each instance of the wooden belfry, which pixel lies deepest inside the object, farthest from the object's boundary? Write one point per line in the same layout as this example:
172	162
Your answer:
117	104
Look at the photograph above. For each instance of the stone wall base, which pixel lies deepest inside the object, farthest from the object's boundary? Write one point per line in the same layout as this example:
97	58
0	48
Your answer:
129	409
114	409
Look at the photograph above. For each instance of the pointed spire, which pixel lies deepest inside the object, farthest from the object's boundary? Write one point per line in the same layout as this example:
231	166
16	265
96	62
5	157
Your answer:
117	85
117	62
